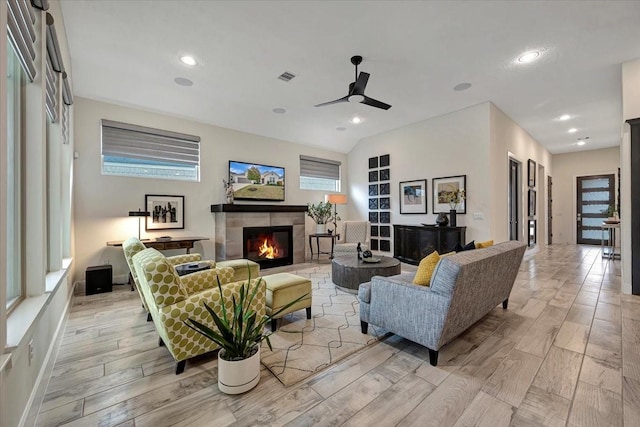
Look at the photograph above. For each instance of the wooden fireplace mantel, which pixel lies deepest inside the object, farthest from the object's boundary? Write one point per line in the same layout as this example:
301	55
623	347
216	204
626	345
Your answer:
227	207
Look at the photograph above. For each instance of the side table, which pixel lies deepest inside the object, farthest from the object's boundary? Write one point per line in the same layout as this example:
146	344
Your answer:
333	238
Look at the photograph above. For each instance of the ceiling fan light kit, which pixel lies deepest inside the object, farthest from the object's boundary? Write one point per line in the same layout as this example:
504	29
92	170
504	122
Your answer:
356	90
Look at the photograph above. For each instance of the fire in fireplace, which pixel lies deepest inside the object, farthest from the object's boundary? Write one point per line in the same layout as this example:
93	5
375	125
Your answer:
269	246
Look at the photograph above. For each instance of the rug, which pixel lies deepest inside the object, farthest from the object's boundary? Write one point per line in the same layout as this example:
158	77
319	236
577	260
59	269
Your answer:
303	347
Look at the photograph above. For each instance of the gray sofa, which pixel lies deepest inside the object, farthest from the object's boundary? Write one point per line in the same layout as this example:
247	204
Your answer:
464	288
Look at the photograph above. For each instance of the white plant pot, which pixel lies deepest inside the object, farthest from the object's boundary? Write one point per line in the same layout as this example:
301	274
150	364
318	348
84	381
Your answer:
235	377
321	228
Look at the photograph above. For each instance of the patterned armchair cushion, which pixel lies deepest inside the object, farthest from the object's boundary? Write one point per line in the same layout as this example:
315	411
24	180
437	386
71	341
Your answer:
159	275
187	258
206	279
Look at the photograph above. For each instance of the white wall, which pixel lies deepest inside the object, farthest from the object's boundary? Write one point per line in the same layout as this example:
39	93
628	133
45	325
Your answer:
630	110
566	168
452	144
508	139
102	202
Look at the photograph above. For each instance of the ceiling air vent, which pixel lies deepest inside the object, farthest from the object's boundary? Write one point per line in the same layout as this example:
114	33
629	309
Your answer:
286	76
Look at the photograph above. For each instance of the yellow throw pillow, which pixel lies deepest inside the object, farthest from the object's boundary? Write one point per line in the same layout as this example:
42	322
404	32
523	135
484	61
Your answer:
425	269
486	244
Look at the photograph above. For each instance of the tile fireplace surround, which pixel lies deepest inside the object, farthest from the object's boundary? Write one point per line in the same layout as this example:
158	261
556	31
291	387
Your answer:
230	219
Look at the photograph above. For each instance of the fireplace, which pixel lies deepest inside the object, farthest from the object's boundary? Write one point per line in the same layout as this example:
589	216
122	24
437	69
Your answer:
268	246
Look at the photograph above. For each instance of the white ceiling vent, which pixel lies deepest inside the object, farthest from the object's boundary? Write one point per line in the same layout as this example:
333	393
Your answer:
286	76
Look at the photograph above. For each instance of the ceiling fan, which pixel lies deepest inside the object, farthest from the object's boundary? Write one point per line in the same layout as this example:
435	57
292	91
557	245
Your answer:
356	90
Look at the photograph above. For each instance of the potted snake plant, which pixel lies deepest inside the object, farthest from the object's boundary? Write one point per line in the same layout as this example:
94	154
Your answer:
239	334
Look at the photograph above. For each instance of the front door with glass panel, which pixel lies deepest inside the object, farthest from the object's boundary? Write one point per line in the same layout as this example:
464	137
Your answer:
595	195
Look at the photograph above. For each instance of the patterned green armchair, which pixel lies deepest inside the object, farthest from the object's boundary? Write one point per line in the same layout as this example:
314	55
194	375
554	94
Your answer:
172	299
132	246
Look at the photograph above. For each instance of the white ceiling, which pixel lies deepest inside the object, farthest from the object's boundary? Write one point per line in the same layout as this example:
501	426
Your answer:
126	52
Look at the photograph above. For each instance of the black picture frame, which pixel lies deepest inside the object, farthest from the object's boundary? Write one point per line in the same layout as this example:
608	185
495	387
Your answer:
385	174
165	212
385	231
440	187
385	189
374	244
374	230
531	172
373	203
385	245
373	217
532	202
385	160
373	176
373	162
373	189
413	197
385	217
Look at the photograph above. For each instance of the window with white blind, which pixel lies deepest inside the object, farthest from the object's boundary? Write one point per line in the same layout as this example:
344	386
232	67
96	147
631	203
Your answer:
319	174
132	150
15	96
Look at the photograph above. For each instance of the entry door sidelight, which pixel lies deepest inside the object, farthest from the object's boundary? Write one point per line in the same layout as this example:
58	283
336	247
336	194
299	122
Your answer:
595	194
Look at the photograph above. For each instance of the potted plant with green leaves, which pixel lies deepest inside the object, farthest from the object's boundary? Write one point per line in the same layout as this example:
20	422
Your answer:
321	213
239	333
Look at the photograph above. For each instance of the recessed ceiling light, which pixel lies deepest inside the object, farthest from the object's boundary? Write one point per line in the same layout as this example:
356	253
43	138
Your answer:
188	60
564	117
356	120
341	128
573	130
580	143
530	56
279	110
462	86
182	81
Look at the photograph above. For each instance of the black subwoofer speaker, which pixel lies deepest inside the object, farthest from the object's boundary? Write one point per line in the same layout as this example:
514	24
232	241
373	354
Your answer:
98	279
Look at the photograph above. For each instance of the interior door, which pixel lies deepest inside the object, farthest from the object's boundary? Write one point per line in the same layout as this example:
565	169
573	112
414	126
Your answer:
595	194
549	211
514	199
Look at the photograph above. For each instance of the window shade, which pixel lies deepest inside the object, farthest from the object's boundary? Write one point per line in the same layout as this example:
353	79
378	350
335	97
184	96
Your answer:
143	143
319	168
22	35
51	86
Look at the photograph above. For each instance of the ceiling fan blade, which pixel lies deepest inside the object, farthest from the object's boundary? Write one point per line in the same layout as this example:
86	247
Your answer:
361	83
375	103
337	101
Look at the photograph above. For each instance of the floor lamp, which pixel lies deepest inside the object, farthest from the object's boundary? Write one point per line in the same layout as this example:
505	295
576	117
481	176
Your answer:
139	214
335	200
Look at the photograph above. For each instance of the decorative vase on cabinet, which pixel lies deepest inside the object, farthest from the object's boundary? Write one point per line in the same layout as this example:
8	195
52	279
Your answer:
452	218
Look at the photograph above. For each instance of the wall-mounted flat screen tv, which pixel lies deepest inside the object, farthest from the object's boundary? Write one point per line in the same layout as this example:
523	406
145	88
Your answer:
253	181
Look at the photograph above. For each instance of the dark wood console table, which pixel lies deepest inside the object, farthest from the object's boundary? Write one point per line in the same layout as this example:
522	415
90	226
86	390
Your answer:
411	243
174	243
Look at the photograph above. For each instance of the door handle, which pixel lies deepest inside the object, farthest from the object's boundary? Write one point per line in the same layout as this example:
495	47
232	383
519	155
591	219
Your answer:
579	218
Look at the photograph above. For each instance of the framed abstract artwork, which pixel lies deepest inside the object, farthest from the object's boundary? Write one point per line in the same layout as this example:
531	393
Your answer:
450	193
413	197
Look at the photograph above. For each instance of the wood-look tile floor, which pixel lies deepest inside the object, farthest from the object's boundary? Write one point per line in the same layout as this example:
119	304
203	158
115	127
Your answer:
566	352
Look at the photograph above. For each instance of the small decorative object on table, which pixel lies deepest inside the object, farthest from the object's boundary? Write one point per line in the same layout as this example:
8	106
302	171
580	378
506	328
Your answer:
442	219
359	249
